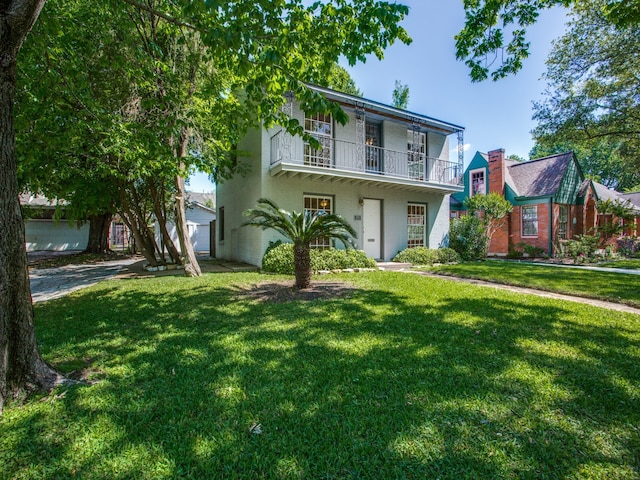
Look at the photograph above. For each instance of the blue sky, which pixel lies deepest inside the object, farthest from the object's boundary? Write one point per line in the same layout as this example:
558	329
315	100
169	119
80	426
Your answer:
494	114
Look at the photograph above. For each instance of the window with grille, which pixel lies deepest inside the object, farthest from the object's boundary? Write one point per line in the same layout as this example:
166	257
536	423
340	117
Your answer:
530	221
319	204
416	152
563	221
416	225
320	126
477	183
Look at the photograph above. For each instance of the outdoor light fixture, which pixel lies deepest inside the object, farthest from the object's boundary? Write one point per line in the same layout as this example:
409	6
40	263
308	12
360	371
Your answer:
289	95
361	201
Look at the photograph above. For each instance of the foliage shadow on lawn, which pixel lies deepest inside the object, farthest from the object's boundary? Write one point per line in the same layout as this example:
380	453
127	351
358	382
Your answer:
374	385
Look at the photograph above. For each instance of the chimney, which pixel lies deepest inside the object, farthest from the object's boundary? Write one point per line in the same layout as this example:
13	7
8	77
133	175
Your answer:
496	171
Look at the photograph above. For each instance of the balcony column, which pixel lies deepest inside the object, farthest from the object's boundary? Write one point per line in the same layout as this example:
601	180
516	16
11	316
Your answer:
360	138
460	168
285	141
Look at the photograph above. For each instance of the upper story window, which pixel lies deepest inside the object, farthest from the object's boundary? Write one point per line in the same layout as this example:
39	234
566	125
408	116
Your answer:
320	126
477	182
530	221
416	152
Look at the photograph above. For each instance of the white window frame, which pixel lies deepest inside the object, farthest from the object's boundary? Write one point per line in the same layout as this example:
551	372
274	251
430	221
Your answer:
522	221
416	221
484	181
416	155
319	126
314	204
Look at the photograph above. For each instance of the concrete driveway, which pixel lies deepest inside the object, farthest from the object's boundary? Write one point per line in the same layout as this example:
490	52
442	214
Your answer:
50	283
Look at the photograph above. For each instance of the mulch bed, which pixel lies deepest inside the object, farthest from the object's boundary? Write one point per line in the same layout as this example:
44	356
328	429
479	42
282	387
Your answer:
278	292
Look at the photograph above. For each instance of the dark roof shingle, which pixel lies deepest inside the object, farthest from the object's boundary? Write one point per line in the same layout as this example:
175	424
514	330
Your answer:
538	178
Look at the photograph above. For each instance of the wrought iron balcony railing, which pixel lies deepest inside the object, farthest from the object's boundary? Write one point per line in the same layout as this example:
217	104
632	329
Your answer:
340	155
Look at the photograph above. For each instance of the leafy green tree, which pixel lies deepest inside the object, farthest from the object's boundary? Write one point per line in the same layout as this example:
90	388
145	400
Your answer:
618	213
400	95
301	228
492	210
493	42
592	103
340	80
272	48
467	237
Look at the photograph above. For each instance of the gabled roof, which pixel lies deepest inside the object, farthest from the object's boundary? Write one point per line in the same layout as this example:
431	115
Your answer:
633	197
202	200
537	178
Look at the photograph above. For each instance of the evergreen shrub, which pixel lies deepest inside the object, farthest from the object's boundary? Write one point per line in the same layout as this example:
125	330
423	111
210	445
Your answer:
278	258
427	256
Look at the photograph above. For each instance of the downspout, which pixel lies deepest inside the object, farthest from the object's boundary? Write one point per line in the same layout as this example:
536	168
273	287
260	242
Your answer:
550	226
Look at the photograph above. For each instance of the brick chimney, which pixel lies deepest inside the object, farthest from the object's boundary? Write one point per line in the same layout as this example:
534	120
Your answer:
496	171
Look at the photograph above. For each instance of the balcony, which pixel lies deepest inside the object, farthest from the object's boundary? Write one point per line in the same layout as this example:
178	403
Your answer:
353	163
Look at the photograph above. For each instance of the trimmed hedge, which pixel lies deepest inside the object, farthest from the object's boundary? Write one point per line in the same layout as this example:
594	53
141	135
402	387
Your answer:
279	259
427	256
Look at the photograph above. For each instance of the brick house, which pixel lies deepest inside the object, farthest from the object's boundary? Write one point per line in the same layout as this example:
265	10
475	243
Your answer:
551	199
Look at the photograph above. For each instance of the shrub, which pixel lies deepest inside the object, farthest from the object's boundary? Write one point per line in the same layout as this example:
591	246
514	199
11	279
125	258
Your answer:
467	237
628	246
531	250
427	256
581	249
278	258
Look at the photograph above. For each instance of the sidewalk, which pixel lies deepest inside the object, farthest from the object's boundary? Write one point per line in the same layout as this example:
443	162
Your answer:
620	307
626	271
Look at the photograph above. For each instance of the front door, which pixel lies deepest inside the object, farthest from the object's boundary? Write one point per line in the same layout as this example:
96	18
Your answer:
372	228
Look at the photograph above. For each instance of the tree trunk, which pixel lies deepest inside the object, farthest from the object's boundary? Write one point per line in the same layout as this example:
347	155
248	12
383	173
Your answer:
22	368
189	261
99	233
135	219
302	265
161	217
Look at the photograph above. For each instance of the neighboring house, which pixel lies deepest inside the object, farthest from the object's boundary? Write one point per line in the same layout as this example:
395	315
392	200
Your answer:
46	231
387	172
551	199
199	213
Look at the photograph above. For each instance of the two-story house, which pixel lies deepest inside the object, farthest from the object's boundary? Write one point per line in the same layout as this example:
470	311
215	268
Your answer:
387	171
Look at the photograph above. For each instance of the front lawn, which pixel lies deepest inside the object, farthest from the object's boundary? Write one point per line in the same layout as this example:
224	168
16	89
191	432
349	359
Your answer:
630	264
398	376
610	286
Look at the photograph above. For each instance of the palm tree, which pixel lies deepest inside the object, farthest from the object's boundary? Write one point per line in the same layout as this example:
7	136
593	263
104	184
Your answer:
301	228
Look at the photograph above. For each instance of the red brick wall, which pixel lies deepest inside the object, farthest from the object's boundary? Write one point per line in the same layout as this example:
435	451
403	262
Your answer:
496	171
512	232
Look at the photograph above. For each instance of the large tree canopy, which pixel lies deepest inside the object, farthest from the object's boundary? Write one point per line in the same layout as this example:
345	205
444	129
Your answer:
271	46
592	103
493	42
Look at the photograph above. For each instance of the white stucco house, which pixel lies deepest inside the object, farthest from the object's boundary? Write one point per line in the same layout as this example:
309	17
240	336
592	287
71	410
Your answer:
387	171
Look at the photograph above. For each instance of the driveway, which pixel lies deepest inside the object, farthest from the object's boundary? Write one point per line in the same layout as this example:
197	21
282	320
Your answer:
50	283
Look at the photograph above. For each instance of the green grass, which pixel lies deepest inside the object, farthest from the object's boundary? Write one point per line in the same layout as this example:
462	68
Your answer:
406	377
631	264
610	286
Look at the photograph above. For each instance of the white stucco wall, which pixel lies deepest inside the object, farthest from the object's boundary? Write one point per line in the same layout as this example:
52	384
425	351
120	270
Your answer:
249	243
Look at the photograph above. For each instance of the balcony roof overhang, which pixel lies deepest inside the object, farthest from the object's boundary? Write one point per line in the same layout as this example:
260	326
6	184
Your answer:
348	177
